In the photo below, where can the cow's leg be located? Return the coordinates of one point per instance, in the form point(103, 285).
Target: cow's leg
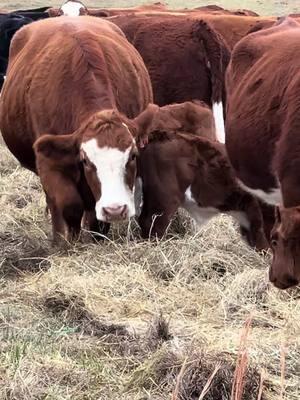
point(58, 223)
point(66, 212)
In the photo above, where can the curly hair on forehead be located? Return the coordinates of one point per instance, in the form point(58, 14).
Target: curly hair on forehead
point(110, 127)
point(105, 120)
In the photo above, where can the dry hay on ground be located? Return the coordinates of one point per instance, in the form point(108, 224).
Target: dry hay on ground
point(127, 319)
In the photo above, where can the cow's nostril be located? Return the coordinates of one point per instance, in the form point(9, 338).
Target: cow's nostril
point(116, 211)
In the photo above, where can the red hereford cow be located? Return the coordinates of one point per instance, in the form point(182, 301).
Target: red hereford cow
point(75, 7)
point(262, 134)
point(185, 60)
point(67, 77)
point(184, 166)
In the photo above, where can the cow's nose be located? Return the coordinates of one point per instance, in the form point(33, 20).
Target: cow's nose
point(115, 212)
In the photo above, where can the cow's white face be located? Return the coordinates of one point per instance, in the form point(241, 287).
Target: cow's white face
point(72, 8)
point(111, 174)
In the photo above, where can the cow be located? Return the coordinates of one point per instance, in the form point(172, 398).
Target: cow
point(161, 8)
point(262, 135)
point(233, 25)
point(183, 165)
point(9, 24)
point(185, 61)
point(71, 8)
point(74, 87)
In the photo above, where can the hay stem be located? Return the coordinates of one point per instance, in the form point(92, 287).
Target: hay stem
point(282, 370)
point(242, 363)
point(179, 379)
point(209, 382)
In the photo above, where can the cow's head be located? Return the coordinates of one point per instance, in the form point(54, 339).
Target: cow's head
point(73, 8)
point(104, 151)
point(285, 243)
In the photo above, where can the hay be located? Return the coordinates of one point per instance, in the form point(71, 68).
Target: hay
point(133, 319)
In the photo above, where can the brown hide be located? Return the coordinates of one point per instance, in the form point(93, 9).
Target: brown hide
point(160, 8)
point(185, 61)
point(67, 78)
point(262, 132)
point(61, 72)
point(174, 160)
point(232, 28)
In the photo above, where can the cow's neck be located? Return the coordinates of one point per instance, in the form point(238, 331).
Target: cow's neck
point(202, 214)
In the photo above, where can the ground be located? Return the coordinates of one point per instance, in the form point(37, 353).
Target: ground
point(133, 320)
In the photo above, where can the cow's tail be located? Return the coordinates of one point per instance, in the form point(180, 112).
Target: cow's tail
point(217, 59)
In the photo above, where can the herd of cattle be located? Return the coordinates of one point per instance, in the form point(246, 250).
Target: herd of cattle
point(137, 112)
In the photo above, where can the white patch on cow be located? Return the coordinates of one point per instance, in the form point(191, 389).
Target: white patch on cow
point(138, 196)
point(200, 214)
point(72, 8)
point(241, 217)
point(273, 197)
point(110, 164)
point(219, 121)
point(203, 214)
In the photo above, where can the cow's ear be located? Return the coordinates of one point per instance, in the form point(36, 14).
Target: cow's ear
point(60, 149)
point(209, 150)
point(57, 154)
point(144, 124)
point(58, 162)
point(214, 163)
point(83, 11)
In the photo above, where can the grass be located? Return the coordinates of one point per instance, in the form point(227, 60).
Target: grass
point(128, 319)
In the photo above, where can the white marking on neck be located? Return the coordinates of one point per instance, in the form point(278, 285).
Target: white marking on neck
point(110, 164)
point(72, 8)
point(219, 121)
point(200, 214)
point(273, 197)
point(203, 214)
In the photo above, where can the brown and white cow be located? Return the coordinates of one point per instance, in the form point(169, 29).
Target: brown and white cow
point(262, 134)
point(71, 86)
point(183, 165)
point(70, 8)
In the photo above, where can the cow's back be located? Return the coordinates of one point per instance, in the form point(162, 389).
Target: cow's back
point(176, 60)
point(261, 75)
point(62, 70)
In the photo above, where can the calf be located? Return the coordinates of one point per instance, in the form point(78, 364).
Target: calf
point(190, 170)
point(72, 84)
point(262, 135)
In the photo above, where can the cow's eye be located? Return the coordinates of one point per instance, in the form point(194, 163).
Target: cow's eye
point(274, 240)
point(87, 164)
point(132, 157)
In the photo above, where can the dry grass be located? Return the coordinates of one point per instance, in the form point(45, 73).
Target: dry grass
point(127, 319)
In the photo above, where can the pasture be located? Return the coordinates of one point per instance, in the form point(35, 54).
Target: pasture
point(185, 318)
